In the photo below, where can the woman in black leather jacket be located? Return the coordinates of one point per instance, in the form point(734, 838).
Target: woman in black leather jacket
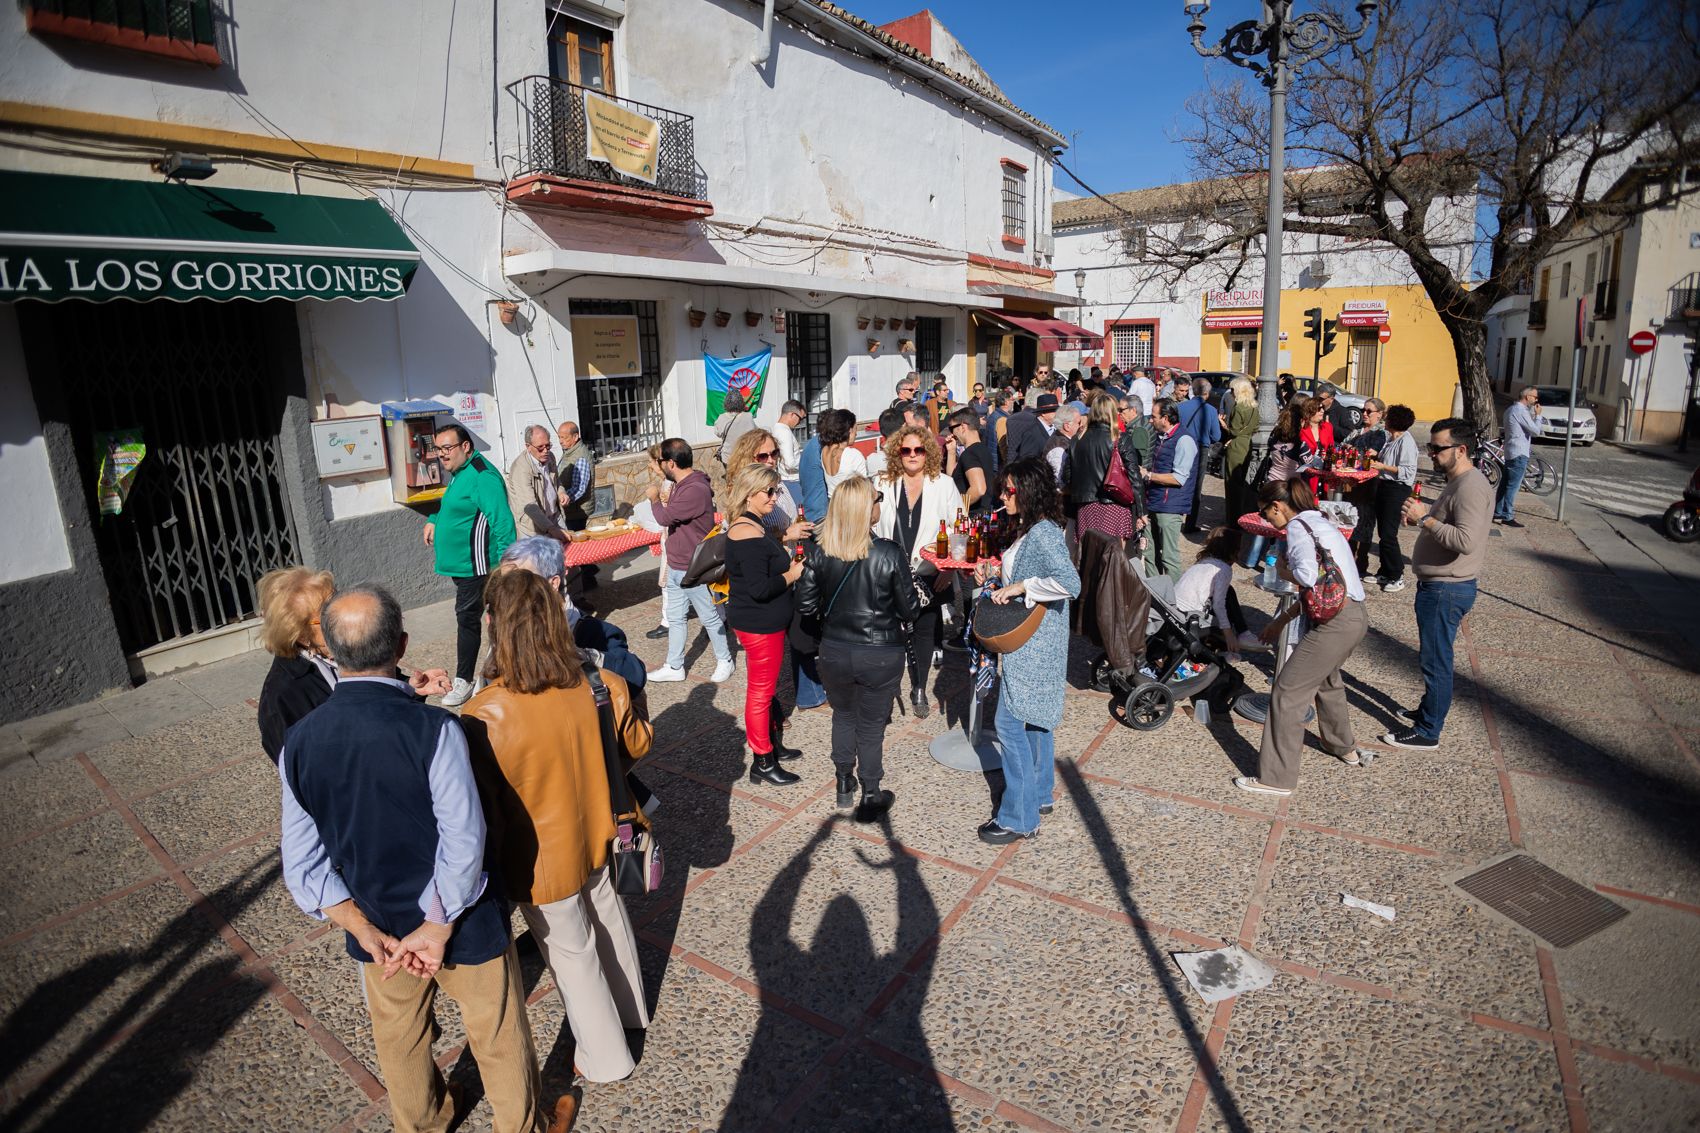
point(1089, 504)
point(858, 588)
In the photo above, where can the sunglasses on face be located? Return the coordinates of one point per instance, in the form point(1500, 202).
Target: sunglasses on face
point(1436, 450)
point(908, 450)
point(764, 492)
point(879, 497)
point(1009, 490)
point(765, 457)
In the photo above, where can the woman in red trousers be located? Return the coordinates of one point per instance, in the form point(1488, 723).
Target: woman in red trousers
point(760, 572)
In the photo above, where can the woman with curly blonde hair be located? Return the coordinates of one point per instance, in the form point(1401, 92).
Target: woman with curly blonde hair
point(919, 498)
point(761, 448)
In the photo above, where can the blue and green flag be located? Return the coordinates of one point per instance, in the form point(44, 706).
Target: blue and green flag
point(747, 375)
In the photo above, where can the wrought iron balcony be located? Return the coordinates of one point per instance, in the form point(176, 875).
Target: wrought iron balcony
point(552, 146)
point(1685, 298)
point(1605, 299)
point(1537, 314)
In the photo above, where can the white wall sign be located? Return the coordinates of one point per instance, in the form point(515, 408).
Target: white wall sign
point(1240, 297)
point(855, 375)
point(1364, 305)
point(343, 446)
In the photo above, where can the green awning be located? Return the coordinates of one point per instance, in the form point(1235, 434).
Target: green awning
point(99, 238)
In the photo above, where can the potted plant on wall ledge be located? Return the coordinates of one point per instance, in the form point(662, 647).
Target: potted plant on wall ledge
point(695, 316)
point(879, 323)
point(873, 346)
point(721, 318)
point(862, 322)
point(752, 318)
point(906, 346)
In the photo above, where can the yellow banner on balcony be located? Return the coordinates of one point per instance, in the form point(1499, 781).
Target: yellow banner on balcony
point(620, 138)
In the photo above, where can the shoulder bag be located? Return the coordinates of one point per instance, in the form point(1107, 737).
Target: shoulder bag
point(634, 856)
point(708, 560)
point(1118, 485)
point(1327, 596)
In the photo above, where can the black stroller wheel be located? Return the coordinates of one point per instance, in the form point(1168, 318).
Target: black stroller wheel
point(1101, 675)
point(1147, 707)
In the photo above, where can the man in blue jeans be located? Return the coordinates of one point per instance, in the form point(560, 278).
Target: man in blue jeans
point(689, 516)
point(1521, 428)
point(1450, 549)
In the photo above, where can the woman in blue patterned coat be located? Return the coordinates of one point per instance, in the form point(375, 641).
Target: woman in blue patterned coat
point(1036, 570)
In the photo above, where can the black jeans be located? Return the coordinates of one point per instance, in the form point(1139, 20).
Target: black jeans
point(926, 639)
point(1390, 497)
point(469, 615)
point(860, 681)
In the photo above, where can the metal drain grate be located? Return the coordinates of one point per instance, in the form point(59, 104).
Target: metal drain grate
point(1553, 907)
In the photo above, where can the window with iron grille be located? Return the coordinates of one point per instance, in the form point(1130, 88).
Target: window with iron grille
point(623, 414)
point(183, 29)
point(1014, 203)
point(808, 363)
point(1131, 345)
point(929, 349)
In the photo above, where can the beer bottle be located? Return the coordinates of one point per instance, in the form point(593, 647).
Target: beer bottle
point(961, 521)
point(941, 545)
point(972, 554)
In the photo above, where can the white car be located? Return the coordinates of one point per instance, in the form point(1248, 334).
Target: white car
point(1556, 419)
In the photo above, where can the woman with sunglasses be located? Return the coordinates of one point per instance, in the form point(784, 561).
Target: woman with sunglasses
point(1317, 434)
point(1369, 438)
point(1311, 672)
point(760, 572)
point(1036, 569)
point(859, 589)
point(760, 449)
point(919, 497)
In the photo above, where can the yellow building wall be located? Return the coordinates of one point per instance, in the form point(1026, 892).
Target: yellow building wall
point(1415, 368)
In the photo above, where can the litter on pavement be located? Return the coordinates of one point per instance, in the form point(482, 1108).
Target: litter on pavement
point(1385, 912)
point(1223, 973)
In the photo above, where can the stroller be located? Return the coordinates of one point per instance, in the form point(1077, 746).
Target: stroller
point(1154, 655)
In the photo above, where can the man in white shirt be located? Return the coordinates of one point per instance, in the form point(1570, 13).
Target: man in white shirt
point(791, 414)
point(1143, 388)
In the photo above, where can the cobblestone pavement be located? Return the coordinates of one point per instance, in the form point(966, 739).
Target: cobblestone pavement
point(812, 974)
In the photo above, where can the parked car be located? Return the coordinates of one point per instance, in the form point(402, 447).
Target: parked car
point(1556, 420)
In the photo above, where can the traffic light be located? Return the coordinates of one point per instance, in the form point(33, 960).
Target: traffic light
point(1313, 323)
point(1328, 329)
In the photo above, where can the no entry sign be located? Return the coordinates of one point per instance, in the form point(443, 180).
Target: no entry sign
point(1642, 341)
point(1385, 334)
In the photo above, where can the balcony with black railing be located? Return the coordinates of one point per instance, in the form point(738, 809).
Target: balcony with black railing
point(1685, 298)
point(1537, 314)
point(1605, 299)
point(555, 169)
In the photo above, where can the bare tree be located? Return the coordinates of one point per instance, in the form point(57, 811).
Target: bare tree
point(1538, 107)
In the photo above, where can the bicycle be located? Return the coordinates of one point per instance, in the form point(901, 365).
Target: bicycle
point(1539, 477)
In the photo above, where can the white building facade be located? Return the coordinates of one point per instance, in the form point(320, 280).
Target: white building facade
point(1636, 276)
point(822, 187)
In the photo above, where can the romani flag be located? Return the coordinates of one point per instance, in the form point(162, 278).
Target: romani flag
point(747, 375)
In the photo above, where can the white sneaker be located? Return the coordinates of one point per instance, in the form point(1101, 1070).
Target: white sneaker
point(1393, 587)
point(722, 672)
point(666, 673)
point(459, 694)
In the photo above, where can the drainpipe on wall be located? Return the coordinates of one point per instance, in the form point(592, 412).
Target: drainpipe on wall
point(764, 47)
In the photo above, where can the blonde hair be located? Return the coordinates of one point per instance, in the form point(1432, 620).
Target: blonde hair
point(894, 462)
point(743, 452)
point(847, 532)
point(1102, 410)
point(290, 598)
point(1243, 390)
point(745, 484)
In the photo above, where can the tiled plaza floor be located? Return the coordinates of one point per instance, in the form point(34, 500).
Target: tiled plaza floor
point(812, 974)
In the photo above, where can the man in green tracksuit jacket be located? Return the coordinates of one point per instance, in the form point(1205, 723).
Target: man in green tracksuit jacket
point(472, 529)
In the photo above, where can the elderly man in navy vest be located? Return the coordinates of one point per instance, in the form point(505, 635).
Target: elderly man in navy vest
point(384, 835)
point(1168, 489)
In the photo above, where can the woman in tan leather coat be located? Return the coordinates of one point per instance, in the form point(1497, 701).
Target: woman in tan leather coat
point(536, 748)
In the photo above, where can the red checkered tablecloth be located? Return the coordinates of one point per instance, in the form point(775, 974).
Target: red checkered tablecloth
point(1351, 475)
point(601, 550)
point(1253, 523)
point(955, 564)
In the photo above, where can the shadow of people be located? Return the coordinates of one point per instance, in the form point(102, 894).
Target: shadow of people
point(151, 1066)
point(1121, 877)
point(841, 962)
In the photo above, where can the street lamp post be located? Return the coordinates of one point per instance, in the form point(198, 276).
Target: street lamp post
point(1269, 48)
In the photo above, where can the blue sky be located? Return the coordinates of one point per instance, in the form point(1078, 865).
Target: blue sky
point(1117, 71)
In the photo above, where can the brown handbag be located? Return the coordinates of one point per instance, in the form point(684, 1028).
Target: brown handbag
point(1005, 627)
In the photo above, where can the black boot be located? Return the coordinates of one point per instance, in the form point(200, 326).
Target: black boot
point(776, 734)
point(766, 769)
point(846, 787)
point(874, 804)
point(918, 700)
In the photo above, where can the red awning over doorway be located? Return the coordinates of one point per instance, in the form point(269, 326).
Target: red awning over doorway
point(1053, 334)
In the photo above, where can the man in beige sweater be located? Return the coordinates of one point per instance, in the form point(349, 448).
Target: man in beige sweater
point(1451, 546)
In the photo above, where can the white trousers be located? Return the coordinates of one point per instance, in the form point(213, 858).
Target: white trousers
point(588, 943)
